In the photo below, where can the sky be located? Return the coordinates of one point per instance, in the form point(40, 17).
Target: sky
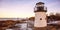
point(25, 8)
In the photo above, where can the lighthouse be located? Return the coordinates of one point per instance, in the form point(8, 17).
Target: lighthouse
point(40, 16)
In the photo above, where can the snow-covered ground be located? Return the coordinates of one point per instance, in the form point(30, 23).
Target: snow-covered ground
point(54, 22)
point(24, 26)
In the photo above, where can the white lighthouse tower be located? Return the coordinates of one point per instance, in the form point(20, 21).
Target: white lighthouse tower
point(40, 16)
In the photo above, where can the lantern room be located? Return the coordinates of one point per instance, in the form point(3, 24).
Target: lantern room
point(40, 7)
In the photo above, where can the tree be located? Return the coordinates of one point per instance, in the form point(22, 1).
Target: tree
point(32, 18)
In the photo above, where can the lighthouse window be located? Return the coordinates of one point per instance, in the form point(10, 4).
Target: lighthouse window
point(39, 8)
point(40, 18)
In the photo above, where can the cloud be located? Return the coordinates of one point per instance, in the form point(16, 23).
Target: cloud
point(18, 10)
point(23, 8)
point(53, 7)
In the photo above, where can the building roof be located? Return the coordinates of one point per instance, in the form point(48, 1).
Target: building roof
point(39, 3)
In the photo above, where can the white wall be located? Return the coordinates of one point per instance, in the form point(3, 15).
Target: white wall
point(38, 22)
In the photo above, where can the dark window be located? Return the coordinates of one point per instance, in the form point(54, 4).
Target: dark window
point(40, 8)
point(40, 18)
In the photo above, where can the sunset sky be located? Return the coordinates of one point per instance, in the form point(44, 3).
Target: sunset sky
point(25, 8)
